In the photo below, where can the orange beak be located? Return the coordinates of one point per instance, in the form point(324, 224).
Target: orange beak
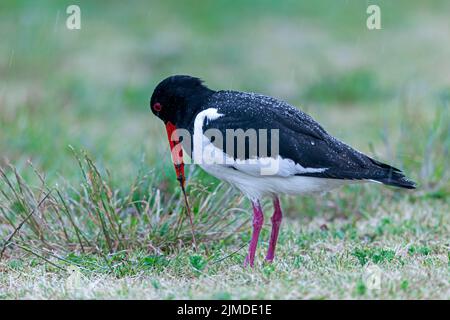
point(177, 152)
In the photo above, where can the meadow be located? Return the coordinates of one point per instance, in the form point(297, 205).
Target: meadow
point(89, 202)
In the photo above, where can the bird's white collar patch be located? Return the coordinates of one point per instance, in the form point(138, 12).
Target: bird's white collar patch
point(199, 139)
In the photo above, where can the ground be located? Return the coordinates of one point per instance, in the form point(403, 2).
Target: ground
point(89, 206)
point(312, 263)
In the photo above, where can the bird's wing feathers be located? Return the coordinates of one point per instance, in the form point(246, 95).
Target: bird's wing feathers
point(304, 146)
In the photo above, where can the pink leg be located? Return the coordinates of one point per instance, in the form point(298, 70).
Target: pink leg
point(258, 220)
point(276, 222)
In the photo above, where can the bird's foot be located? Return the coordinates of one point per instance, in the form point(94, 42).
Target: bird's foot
point(271, 252)
point(249, 262)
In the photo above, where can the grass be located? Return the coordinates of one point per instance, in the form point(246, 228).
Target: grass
point(312, 263)
point(89, 204)
point(97, 218)
point(350, 87)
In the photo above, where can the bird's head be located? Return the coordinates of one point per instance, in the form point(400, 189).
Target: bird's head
point(177, 98)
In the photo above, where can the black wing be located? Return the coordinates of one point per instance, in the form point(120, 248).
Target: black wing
point(301, 139)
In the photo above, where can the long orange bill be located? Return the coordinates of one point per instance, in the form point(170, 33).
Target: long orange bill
point(177, 158)
point(176, 151)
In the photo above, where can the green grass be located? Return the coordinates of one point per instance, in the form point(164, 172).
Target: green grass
point(319, 266)
point(77, 137)
point(349, 87)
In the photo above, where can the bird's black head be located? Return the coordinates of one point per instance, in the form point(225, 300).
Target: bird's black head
point(177, 98)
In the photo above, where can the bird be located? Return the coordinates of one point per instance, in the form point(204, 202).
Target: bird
point(293, 153)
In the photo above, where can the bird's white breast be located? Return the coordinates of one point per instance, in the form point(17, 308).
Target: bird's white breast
point(257, 187)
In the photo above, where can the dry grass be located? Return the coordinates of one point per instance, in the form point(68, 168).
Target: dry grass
point(96, 218)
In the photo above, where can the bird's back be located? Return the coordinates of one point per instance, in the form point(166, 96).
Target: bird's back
point(301, 138)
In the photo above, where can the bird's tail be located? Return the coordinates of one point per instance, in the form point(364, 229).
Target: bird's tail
point(393, 176)
point(398, 179)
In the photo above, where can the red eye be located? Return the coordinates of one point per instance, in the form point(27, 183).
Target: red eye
point(157, 106)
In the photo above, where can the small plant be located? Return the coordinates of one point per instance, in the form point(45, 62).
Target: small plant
point(421, 250)
point(197, 262)
point(376, 255)
point(361, 288)
point(404, 285)
point(155, 261)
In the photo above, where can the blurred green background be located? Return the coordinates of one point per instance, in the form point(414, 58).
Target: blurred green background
point(385, 92)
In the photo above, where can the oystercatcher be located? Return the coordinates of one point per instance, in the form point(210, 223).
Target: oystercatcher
point(293, 154)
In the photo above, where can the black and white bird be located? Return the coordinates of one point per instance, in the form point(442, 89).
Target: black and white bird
point(304, 159)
